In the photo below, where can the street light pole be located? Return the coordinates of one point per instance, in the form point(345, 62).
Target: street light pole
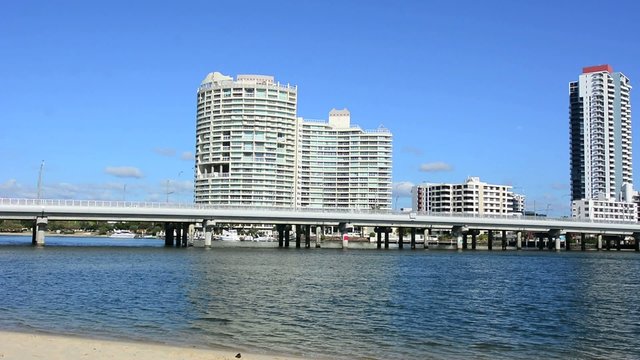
point(40, 179)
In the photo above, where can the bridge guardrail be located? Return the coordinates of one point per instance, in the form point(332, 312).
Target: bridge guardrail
point(164, 205)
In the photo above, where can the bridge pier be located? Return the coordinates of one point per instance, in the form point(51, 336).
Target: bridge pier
point(519, 240)
point(427, 236)
point(608, 242)
point(400, 238)
point(413, 238)
point(168, 234)
point(287, 234)
point(185, 234)
point(557, 243)
point(464, 241)
point(319, 230)
point(342, 228)
point(599, 242)
point(490, 240)
point(636, 238)
point(207, 226)
point(504, 240)
point(39, 230)
point(568, 237)
point(386, 237)
point(178, 228)
point(474, 239)
point(378, 231)
point(619, 242)
point(298, 235)
point(280, 230)
point(583, 244)
point(307, 236)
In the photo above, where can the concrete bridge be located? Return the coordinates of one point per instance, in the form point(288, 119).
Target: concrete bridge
point(461, 225)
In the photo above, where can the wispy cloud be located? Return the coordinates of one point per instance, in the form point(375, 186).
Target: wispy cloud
point(402, 189)
point(435, 166)
point(187, 156)
point(168, 152)
point(124, 172)
point(560, 186)
point(412, 150)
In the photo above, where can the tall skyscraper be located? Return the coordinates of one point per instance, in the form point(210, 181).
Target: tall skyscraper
point(252, 150)
point(600, 133)
point(245, 141)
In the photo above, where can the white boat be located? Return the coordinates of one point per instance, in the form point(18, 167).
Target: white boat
point(230, 235)
point(122, 234)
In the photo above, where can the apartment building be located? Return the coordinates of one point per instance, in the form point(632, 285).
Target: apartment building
point(253, 150)
point(471, 197)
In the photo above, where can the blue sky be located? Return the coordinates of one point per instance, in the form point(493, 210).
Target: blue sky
point(104, 91)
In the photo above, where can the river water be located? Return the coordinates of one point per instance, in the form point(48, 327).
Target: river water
point(362, 304)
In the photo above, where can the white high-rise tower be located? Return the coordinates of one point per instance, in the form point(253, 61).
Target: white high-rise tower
point(600, 134)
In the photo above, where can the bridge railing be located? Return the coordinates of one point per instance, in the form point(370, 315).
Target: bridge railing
point(165, 205)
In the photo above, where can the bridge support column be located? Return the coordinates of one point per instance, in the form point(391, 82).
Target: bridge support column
point(474, 239)
point(608, 242)
point(39, 230)
point(490, 240)
point(427, 236)
point(619, 242)
point(540, 238)
point(519, 240)
point(342, 228)
point(319, 230)
point(307, 236)
point(568, 238)
point(298, 234)
point(168, 234)
point(583, 243)
point(207, 226)
point(378, 231)
point(178, 238)
point(636, 238)
point(599, 243)
point(400, 238)
point(386, 237)
point(185, 234)
point(464, 241)
point(280, 230)
point(504, 240)
point(287, 234)
point(550, 242)
point(557, 243)
point(413, 238)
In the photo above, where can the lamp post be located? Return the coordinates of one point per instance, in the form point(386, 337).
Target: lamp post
point(40, 180)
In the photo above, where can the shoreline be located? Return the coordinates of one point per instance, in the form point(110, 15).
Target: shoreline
point(39, 345)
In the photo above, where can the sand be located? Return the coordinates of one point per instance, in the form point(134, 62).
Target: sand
point(16, 345)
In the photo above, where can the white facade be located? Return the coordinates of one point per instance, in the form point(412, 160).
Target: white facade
point(343, 166)
point(253, 151)
point(608, 210)
point(471, 197)
point(600, 133)
point(245, 141)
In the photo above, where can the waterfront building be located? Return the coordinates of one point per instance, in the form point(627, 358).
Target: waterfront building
point(245, 141)
point(607, 209)
point(471, 197)
point(343, 166)
point(253, 150)
point(600, 133)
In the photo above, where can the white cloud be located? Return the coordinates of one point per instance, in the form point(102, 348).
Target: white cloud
point(435, 166)
point(187, 155)
point(402, 189)
point(412, 150)
point(124, 172)
point(168, 152)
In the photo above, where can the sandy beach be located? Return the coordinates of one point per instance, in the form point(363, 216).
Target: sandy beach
point(15, 345)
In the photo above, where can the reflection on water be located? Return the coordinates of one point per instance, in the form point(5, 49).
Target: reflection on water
point(331, 303)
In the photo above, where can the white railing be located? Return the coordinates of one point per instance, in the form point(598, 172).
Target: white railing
point(306, 210)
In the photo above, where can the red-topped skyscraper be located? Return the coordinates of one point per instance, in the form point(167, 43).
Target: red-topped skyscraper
point(600, 135)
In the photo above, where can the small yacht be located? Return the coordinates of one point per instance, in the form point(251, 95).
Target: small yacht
point(230, 235)
point(122, 234)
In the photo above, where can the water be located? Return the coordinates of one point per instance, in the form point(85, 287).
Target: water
point(363, 304)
